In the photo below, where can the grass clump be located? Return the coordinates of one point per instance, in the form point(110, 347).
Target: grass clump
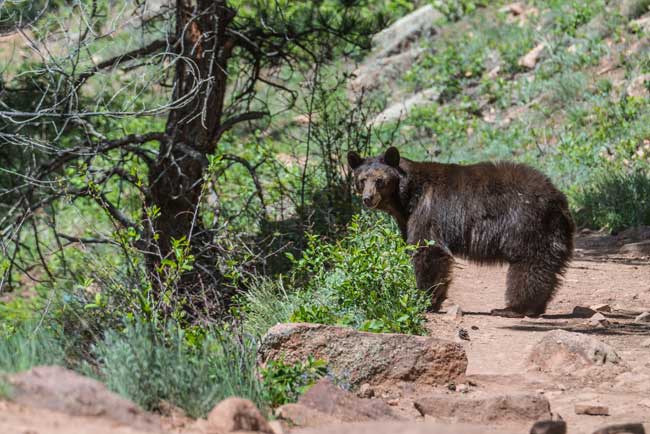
point(26, 345)
point(614, 200)
point(150, 364)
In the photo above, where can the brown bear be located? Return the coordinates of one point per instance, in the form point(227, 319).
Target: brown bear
point(489, 213)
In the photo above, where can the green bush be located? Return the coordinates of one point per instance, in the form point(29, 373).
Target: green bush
point(364, 280)
point(614, 200)
point(284, 383)
point(150, 364)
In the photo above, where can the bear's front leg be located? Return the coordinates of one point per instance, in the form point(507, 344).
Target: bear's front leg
point(432, 266)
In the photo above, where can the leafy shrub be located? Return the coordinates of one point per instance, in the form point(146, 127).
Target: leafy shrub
point(364, 280)
point(284, 383)
point(615, 200)
point(150, 364)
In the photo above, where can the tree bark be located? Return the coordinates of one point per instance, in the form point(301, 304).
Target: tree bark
point(176, 178)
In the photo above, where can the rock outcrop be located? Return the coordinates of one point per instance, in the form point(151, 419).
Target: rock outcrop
point(325, 403)
point(62, 390)
point(489, 409)
point(359, 357)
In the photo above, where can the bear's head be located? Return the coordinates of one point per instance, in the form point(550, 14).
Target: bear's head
point(377, 178)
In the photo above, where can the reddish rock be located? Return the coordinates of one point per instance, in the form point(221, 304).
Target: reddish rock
point(491, 409)
point(563, 352)
point(372, 358)
point(237, 414)
point(592, 409)
point(62, 390)
point(298, 415)
point(325, 403)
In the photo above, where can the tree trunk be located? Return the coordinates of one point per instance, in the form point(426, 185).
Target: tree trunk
point(193, 129)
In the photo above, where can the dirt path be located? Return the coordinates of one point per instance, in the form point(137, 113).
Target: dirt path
point(498, 347)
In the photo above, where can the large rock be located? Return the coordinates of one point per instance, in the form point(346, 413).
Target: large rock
point(490, 409)
point(403, 32)
point(372, 358)
point(400, 110)
point(563, 352)
point(61, 390)
point(394, 52)
point(383, 72)
point(642, 248)
point(326, 403)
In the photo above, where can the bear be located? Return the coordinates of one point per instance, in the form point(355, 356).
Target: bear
point(488, 213)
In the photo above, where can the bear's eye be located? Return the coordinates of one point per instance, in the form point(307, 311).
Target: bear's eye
point(379, 182)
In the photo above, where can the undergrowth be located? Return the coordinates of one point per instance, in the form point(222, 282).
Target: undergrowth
point(151, 364)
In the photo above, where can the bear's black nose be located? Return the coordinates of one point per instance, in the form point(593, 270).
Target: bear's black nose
point(367, 200)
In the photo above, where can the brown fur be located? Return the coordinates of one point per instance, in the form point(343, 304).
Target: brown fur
point(487, 212)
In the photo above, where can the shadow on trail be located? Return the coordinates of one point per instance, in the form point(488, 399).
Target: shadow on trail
point(611, 330)
point(568, 322)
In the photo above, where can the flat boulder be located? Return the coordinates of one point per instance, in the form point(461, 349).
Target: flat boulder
point(359, 357)
point(61, 390)
point(326, 403)
point(488, 409)
point(567, 353)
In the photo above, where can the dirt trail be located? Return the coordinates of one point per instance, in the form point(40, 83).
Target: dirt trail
point(498, 347)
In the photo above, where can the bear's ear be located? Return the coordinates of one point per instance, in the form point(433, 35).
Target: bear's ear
point(391, 156)
point(354, 160)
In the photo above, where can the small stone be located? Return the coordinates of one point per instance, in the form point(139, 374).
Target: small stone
point(583, 312)
point(598, 319)
point(643, 318)
point(451, 386)
point(366, 391)
point(463, 334)
point(592, 409)
point(532, 57)
point(601, 307)
point(237, 414)
point(455, 312)
point(276, 426)
point(474, 327)
point(462, 388)
point(549, 427)
point(393, 402)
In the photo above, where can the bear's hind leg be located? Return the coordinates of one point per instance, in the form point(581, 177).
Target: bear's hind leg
point(530, 287)
point(432, 266)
